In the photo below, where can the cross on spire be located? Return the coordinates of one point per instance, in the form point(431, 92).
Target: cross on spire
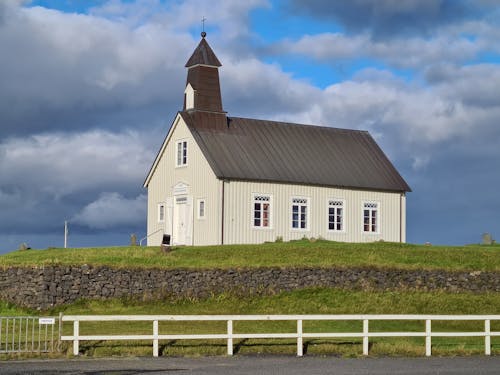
point(203, 33)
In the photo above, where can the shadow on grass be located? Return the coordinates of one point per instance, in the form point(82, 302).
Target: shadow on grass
point(345, 344)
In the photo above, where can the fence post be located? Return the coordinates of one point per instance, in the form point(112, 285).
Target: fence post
point(229, 337)
point(428, 343)
point(60, 332)
point(76, 333)
point(300, 343)
point(155, 338)
point(365, 337)
point(487, 337)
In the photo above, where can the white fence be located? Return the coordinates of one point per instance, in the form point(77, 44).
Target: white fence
point(299, 335)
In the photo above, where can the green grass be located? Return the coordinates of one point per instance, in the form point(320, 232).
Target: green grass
point(310, 301)
point(313, 301)
point(287, 254)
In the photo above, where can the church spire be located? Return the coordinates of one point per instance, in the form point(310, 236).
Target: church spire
point(203, 55)
point(202, 85)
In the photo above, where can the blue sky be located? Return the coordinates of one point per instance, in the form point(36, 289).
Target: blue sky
point(89, 89)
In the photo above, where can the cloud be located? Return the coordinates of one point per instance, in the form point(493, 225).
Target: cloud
point(475, 85)
point(389, 18)
point(49, 178)
point(230, 16)
point(253, 88)
point(86, 100)
point(113, 210)
point(79, 71)
point(412, 52)
point(63, 164)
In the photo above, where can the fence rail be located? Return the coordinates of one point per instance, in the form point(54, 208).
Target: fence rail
point(28, 334)
point(299, 335)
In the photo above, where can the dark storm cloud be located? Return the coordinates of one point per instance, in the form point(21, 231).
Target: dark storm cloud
point(388, 18)
point(73, 72)
point(47, 179)
point(461, 181)
point(86, 101)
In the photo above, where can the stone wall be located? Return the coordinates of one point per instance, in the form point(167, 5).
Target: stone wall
point(44, 287)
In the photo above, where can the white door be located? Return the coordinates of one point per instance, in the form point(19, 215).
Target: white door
point(182, 221)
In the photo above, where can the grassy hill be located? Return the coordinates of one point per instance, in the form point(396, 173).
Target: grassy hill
point(302, 253)
point(308, 301)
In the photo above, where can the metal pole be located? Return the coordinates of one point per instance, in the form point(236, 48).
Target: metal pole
point(13, 334)
point(32, 334)
point(27, 329)
point(65, 234)
point(20, 334)
point(60, 332)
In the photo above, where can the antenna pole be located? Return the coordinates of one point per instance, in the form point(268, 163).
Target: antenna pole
point(65, 234)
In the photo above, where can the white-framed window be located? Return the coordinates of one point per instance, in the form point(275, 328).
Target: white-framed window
point(336, 215)
point(181, 200)
point(371, 217)
point(262, 210)
point(201, 209)
point(182, 153)
point(161, 213)
point(300, 213)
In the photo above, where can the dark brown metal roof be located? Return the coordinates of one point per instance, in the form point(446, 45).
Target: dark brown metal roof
point(260, 150)
point(204, 55)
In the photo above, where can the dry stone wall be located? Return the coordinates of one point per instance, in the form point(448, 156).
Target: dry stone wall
point(45, 287)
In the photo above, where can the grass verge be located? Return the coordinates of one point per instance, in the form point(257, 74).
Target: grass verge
point(302, 253)
point(311, 301)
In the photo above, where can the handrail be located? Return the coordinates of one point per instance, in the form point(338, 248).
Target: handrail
point(229, 335)
point(149, 235)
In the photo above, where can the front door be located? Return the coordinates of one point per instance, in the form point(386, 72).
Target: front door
point(182, 221)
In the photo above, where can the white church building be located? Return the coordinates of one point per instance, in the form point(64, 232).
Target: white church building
point(219, 179)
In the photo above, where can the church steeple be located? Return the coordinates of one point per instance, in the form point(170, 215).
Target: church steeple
point(202, 91)
point(203, 55)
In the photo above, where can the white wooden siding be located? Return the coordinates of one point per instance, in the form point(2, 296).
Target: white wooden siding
point(201, 183)
point(238, 226)
point(238, 204)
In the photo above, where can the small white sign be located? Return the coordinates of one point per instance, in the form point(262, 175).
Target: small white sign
point(46, 321)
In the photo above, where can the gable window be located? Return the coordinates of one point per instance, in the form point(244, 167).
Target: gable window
point(300, 208)
point(181, 154)
point(336, 215)
point(261, 211)
point(370, 217)
point(201, 208)
point(161, 213)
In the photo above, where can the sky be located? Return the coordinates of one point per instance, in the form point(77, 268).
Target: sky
point(88, 90)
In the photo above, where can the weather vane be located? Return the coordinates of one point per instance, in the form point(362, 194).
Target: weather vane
point(203, 33)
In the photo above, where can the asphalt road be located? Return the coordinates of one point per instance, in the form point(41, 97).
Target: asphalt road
point(240, 365)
